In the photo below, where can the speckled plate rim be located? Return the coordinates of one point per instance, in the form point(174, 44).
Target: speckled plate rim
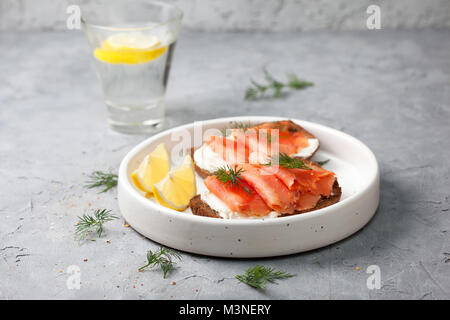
point(126, 182)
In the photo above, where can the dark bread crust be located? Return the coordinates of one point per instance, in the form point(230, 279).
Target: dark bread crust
point(201, 208)
point(201, 172)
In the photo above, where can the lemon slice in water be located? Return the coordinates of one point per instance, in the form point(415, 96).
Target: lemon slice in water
point(178, 187)
point(152, 169)
point(130, 48)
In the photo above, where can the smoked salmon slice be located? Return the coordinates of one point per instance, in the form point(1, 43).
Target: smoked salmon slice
point(232, 150)
point(263, 143)
point(256, 145)
point(274, 193)
point(315, 181)
point(290, 142)
point(287, 177)
point(307, 201)
point(241, 198)
point(310, 184)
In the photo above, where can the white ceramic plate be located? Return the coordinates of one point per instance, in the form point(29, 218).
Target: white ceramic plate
point(352, 161)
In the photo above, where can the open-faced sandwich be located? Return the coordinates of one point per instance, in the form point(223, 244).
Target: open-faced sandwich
point(249, 171)
point(262, 171)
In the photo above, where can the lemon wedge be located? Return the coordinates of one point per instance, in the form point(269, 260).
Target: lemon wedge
point(152, 169)
point(178, 187)
point(130, 48)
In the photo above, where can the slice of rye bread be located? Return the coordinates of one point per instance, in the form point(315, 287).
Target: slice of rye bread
point(201, 208)
point(291, 126)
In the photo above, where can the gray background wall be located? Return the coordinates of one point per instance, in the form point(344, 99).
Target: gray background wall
point(236, 15)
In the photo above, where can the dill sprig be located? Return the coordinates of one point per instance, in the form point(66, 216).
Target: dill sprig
point(242, 126)
point(162, 258)
point(105, 180)
point(287, 162)
point(258, 90)
point(87, 225)
point(230, 177)
point(321, 163)
point(298, 84)
point(258, 276)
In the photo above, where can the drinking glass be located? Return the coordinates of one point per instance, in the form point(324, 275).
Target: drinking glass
point(133, 43)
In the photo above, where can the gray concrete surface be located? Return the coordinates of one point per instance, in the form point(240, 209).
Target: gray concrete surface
point(233, 15)
point(389, 89)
